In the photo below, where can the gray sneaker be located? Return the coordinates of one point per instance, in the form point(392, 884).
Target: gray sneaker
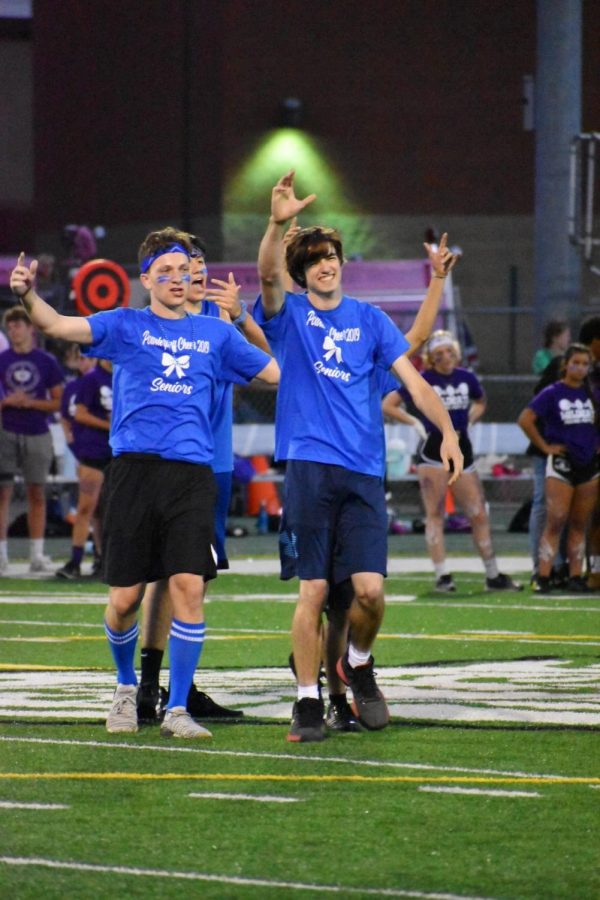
point(178, 723)
point(122, 718)
point(40, 564)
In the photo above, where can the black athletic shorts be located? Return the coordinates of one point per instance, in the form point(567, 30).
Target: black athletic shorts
point(428, 451)
point(563, 468)
point(158, 520)
point(100, 464)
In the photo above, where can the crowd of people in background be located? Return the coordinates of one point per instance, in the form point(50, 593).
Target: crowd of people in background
point(149, 430)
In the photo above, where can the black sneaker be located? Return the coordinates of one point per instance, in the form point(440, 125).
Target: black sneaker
point(96, 567)
point(201, 706)
point(577, 584)
point(340, 716)
point(151, 704)
point(307, 720)
point(70, 571)
point(542, 584)
point(369, 703)
point(445, 585)
point(502, 583)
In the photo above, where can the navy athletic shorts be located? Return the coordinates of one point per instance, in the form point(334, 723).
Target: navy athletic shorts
point(335, 523)
point(158, 520)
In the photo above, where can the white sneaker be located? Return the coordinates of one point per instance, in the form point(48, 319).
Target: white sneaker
point(122, 718)
point(3, 566)
point(178, 723)
point(40, 564)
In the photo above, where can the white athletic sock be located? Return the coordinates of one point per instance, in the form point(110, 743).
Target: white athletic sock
point(308, 690)
point(440, 569)
point(491, 567)
point(37, 548)
point(358, 657)
point(3, 549)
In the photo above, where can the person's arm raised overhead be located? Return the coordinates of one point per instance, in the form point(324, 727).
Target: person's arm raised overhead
point(442, 261)
point(43, 316)
point(284, 206)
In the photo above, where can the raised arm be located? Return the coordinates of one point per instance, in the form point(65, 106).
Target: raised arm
point(43, 316)
point(430, 404)
point(284, 206)
point(442, 261)
point(226, 294)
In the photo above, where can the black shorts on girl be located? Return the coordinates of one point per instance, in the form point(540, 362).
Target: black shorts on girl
point(428, 451)
point(338, 521)
point(563, 468)
point(158, 520)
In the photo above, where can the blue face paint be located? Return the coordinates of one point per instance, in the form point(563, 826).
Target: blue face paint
point(162, 279)
point(186, 278)
point(171, 248)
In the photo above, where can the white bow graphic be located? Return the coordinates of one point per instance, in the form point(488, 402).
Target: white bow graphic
point(175, 364)
point(330, 347)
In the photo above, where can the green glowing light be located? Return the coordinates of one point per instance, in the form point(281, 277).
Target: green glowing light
point(249, 189)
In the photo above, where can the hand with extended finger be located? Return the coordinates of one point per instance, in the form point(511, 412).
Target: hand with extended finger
point(22, 277)
point(442, 259)
point(226, 295)
point(284, 203)
point(450, 452)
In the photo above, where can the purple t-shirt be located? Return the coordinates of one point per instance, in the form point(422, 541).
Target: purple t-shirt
point(67, 406)
point(456, 391)
point(94, 391)
point(34, 372)
point(568, 417)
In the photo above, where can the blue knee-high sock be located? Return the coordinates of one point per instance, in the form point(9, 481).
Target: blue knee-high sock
point(185, 647)
point(122, 646)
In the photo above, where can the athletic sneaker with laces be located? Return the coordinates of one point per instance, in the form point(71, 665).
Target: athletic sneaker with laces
point(340, 716)
point(70, 571)
point(307, 720)
point(201, 706)
point(40, 564)
point(542, 584)
point(178, 723)
point(502, 582)
point(122, 718)
point(369, 703)
point(151, 703)
point(445, 585)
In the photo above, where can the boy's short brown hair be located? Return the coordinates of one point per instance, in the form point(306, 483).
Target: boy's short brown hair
point(16, 314)
point(308, 247)
point(158, 240)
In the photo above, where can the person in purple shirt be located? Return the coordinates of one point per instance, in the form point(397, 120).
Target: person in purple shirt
point(91, 417)
point(461, 393)
point(31, 386)
point(568, 411)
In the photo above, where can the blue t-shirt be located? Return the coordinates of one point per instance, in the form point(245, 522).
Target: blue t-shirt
point(456, 391)
point(35, 373)
point(164, 375)
point(94, 391)
point(328, 407)
point(568, 417)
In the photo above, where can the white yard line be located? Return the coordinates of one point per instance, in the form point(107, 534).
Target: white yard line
point(9, 804)
point(259, 798)
point(225, 879)
point(430, 789)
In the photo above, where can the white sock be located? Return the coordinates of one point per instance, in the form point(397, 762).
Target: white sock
point(358, 657)
point(491, 567)
point(37, 547)
point(3, 549)
point(308, 690)
point(440, 569)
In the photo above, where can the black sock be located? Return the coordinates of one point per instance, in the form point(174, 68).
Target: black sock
point(337, 698)
point(151, 660)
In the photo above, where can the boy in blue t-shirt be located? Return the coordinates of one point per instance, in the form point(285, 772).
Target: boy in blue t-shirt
point(329, 428)
point(160, 489)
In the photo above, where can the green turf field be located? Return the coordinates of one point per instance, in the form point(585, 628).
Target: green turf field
point(486, 783)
